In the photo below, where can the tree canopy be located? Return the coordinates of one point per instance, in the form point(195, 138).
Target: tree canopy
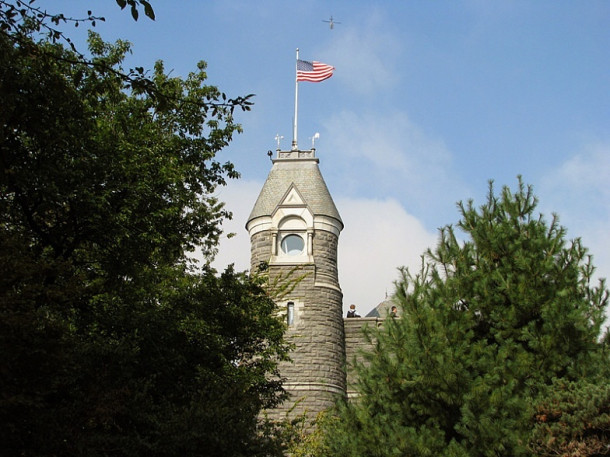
point(573, 420)
point(493, 319)
point(20, 20)
point(111, 342)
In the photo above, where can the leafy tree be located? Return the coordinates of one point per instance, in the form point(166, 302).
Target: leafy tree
point(20, 19)
point(487, 324)
point(306, 437)
point(110, 342)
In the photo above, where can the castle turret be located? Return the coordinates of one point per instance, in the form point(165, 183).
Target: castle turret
point(295, 223)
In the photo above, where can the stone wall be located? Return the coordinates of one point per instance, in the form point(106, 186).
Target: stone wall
point(326, 344)
point(355, 344)
point(325, 252)
point(316, 374)
point(260, 249)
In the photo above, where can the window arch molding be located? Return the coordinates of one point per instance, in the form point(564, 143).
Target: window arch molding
point(292, 240)
point(292, 223)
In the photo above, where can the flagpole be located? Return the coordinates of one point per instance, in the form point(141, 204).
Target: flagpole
point(296, 104)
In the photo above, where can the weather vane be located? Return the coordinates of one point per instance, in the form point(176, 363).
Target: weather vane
point(278, 138)
point(313, 140)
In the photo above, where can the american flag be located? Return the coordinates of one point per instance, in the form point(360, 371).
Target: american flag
point(313, 71)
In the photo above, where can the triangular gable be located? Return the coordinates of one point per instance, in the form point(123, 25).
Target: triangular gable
point(291, 201)
point(292, 197)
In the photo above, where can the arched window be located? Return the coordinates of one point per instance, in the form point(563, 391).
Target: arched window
point(292, 239)
point(292, 244)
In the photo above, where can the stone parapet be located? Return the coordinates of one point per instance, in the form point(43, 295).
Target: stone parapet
point(355, 343)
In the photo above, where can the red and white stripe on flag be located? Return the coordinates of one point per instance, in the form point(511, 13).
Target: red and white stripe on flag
point(313, 72)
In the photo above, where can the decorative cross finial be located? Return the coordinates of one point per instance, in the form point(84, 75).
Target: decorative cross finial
point(278, 138)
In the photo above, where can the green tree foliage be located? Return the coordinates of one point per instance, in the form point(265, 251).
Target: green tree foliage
point(487, 324)
point(573, 420)
point(21, 19)
point(110, 343)
point(306, 438)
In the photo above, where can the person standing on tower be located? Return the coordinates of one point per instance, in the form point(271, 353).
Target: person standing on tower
point(352, 311)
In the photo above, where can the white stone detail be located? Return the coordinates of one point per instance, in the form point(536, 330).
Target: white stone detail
point(309, 386)
point(328, 285)
point(292, 198)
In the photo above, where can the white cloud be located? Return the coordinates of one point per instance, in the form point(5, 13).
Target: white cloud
point(579, 192)
point(239, 197)
point(379, 237)
point(387, 156)
point(582, 181)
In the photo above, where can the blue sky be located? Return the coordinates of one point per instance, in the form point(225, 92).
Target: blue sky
point(429, 101)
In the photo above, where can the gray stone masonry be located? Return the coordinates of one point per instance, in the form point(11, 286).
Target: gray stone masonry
point(295, 197)
point(260, 249)
point(326, 263)
point(355, 344)
point(316, 375)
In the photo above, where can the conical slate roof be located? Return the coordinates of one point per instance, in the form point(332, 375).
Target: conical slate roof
point(305, 175)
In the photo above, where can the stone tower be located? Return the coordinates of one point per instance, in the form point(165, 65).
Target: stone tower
point(295, 223)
